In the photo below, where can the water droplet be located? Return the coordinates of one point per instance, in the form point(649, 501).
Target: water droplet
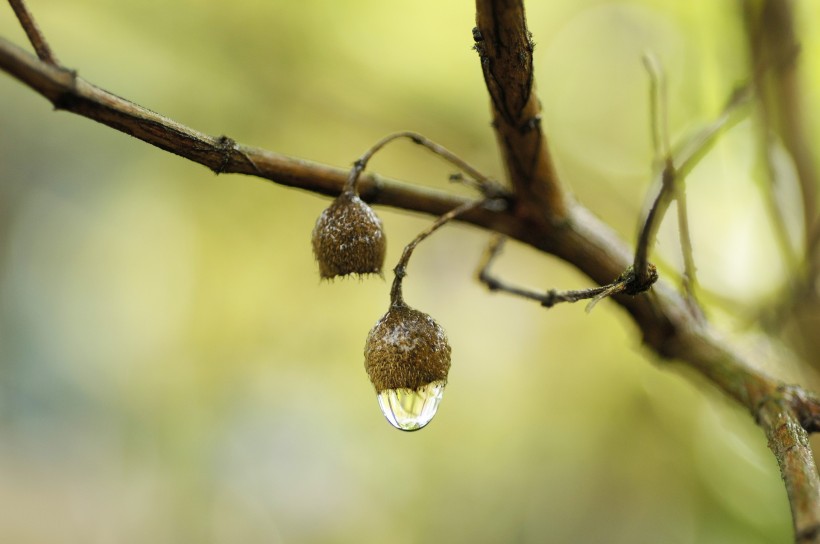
point(408, 409)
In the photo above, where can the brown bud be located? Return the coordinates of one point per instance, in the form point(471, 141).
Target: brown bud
point(348, 238)
point(406, 349)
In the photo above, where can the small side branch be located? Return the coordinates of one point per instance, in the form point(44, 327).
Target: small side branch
point(32, 30)
point(400, 271)
point(675, 171)
point(487, 186)
point(690, 280)
point(659, 116)
point(627, 283)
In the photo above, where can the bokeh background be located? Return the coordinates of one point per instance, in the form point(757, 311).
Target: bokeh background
point(172, 369)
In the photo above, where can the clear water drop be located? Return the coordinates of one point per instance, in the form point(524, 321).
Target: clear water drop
point(408, 409)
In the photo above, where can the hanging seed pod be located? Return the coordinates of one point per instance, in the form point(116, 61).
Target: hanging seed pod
point(348, 238)
point(407, 358)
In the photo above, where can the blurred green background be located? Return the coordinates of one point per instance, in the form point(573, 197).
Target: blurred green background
point(172, 370)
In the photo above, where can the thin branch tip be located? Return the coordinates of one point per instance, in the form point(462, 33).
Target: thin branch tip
point(627, 282)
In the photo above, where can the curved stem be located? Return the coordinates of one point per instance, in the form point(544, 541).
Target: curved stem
point(396, 298)
point(360, 164)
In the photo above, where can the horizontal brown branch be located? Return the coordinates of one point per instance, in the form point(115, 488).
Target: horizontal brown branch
point(579, 238)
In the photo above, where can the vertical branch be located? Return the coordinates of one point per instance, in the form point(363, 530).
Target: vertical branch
point(649, 229)
point(505, 48)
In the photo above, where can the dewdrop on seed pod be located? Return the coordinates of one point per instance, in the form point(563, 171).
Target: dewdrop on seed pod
point(407, 358)
point(348, 238)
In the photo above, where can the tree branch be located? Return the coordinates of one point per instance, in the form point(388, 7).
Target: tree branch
point(659, 120)
point(577, 237)
point(789, 442)
point(505, 48)
point(66, 91)
point(625, 283)
point(677, 168)
point(32, 30)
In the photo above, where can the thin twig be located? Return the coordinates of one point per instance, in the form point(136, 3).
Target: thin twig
point(690, 280)
point(659, 116)
point(488, 187)
point(400, 270)
point(625, 283)
point(678, 168)
point(653, 220)
point(32, 29)
point(694, 149)
point(658, 107)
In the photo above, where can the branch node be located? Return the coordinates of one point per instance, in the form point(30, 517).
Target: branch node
point(635, 284)
point(67, 98)
point(533, 123)
point(226, 148)
point(550, 299)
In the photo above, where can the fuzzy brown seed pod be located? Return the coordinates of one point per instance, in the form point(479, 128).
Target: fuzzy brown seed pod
point(348, 238)
point(406, 349)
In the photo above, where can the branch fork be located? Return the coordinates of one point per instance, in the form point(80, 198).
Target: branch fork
point(786, 413)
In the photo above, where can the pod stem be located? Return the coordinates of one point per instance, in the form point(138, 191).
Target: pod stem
point(481, 182)
point(400, 271)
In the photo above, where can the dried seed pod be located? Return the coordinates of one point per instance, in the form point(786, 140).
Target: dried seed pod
point(348, 238)
point(407, 358)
